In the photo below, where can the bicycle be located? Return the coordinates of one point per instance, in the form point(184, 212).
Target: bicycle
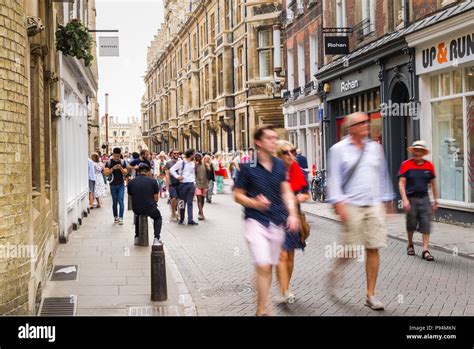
point(319, 186)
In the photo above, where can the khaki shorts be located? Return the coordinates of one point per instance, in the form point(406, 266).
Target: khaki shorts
point(365, 225)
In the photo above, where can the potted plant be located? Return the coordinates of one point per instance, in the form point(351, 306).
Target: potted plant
point(74, 40)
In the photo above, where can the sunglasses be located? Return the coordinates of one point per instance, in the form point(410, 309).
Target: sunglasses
point(365, 122)
point(288, 152)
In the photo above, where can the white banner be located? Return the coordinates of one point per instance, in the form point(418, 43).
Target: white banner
point(109, 46)
point(449, 52)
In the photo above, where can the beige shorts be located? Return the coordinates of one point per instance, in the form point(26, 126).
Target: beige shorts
point(365, 225)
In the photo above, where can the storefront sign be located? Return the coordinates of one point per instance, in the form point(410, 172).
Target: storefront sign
point(445, 53)
point(336, 45)
point(349, 85)
point(109, 46)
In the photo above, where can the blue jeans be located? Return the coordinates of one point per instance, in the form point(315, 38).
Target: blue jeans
point(186, 195)
point(117, 192)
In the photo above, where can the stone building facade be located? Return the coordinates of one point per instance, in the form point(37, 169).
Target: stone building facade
point(213, 75)
point(124, 135)
point(29, 97)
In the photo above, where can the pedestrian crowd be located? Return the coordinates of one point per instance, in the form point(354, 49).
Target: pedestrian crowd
point(271, 183)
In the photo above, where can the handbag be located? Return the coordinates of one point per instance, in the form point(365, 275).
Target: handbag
point(304, 227)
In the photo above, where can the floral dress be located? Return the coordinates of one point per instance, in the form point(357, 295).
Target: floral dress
point(100, 187)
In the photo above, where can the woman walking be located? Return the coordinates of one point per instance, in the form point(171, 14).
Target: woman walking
point(160, 171)
point(219, 174)
point(202, 182)
point(299, 185)
point(100, 186)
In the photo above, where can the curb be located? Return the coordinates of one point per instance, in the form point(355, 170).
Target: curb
point(185, 298)
point(396, 237)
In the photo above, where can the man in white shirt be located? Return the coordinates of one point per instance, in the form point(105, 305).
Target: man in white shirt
point(184, 171)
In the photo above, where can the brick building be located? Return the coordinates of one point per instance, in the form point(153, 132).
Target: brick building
point(303, 57)
point(380, 72)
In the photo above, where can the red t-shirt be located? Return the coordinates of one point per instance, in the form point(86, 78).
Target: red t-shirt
point(418, 176)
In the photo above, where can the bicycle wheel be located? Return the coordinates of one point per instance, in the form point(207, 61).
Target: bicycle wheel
point(314, 191)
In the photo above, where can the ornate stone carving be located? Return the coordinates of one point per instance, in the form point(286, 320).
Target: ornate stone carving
point(37, 50)
point(34, 25)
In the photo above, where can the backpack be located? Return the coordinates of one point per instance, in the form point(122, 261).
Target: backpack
point(110, 177)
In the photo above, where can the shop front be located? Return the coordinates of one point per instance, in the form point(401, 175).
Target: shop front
point(382, 83)
point(445, 66)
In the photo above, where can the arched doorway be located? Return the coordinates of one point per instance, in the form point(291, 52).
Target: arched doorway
point(398, 128)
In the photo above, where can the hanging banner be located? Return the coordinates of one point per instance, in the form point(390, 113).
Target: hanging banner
point(336, 45)
point(109, 46)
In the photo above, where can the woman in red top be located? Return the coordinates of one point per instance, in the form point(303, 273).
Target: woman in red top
point(299, 185)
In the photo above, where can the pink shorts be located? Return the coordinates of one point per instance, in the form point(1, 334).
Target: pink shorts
point(201, 191)
point(264, 242)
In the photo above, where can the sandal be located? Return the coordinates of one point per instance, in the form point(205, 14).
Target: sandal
point(410, 250)
point(427, 256)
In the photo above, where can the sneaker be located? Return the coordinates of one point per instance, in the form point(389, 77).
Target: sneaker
point(181, 223)
point(136, 241)
point(116, 220)
point(193, 223)
point(120, 221)
point(373, 303)
point(201, 217)
point(157, 241)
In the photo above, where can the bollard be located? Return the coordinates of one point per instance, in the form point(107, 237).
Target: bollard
point(141, 223)
point(159, 290)
point(129, 205)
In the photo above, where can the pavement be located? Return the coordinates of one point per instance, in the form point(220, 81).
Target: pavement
point(114, 275)
point(210, 273)
point(446, 237)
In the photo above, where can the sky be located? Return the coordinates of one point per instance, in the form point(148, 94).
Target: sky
point(122, 77)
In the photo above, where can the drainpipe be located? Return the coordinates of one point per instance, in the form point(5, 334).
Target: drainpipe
point(246, 75)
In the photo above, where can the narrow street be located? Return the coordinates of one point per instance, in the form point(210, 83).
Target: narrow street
point(213, 260)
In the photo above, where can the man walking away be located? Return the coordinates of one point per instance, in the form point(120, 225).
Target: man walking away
point(358, 184)
point(172, 183)
point(185, 172)
point(303, 162)
point(115, 169)
point(145, 193)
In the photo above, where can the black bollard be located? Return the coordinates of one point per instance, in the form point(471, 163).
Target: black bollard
point(142, 223)
point(159, 290)
point(129, 205)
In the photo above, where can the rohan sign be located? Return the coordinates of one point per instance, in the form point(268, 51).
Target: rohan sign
point(349, 85)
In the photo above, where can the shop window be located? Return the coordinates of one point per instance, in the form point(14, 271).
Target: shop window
point(445, 84)
point(341, 131)
point(311, 117)
point(457, 81)
point(470, 79)
point(376, 127)
point(448, 148)
point(470, 145)
point(302, 118)
point(434, 82)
